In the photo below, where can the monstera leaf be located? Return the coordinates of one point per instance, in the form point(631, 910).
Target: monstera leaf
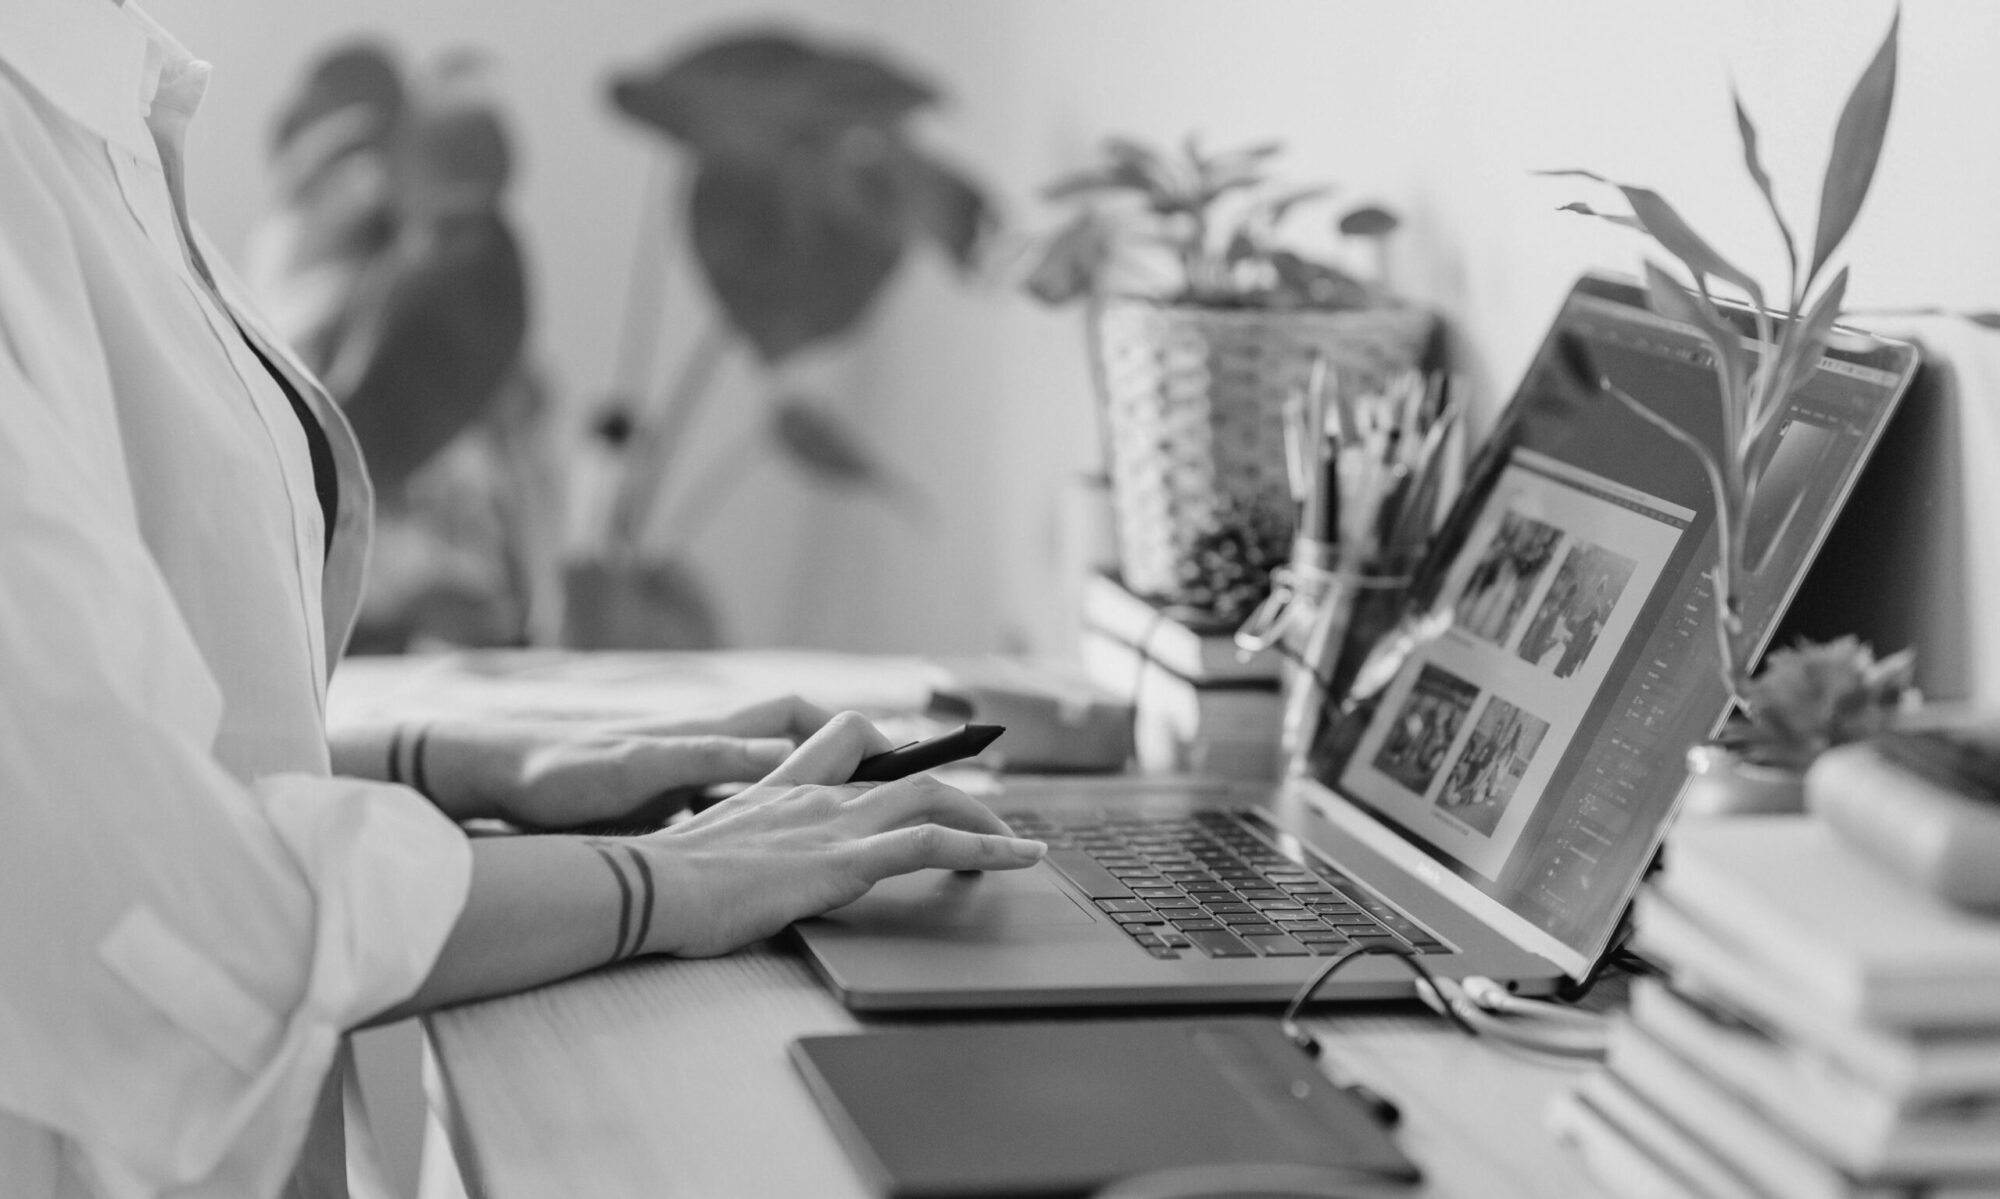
point(752, 95)
point(806, 186)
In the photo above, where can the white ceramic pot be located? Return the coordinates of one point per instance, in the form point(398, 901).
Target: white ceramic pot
point(1721, 783)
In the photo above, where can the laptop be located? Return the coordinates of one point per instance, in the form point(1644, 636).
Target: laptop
point(1493, 783)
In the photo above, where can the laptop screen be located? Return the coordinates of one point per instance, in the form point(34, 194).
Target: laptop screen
point(1556, 655)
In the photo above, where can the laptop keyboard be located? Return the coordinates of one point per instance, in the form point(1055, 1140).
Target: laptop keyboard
point(1209, 883)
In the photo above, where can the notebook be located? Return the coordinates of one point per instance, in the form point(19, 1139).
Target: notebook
point(1066, 1108)
point(1832, 925)
point(1491, 791)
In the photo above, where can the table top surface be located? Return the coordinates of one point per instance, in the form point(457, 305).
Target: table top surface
point(670, 1078)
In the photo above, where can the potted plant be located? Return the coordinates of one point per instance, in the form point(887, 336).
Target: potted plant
point(1204, 313)
point(803, 189)
point(1805, 700)
point(1755, 389)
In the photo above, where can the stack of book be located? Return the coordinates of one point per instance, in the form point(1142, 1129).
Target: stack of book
point(1825, 1029)
point(1198, 706)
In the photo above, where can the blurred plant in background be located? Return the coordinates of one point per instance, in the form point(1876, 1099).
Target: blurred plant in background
point(1198, 227)
point(1208, 296)
point(389, 264)
point(801, 193)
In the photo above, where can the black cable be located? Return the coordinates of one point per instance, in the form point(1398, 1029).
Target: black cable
point(1289, 1022)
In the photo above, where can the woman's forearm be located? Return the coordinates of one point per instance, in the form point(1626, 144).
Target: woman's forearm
point(539, 909)
point(426, 755)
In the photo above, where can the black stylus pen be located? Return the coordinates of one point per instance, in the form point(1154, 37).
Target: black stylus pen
point(929, 754)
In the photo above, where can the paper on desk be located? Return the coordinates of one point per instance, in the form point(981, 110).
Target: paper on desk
point(626, 685)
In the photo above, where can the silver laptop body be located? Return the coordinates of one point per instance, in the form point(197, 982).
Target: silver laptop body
point(1585, 680)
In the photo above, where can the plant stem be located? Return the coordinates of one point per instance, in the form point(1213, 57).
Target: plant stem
point(1728, 614)
point(655, 442)
point(733, 462)
point(645, 290)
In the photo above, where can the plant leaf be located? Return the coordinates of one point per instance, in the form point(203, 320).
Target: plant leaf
point(756, 93)
point(1800, 349)
point(822, 443)
point(791, 261)
point(1271, 212)
point(946, 207)
point(1857, 147)
point(1617, 218)
point(1755, 165)
point(1369, 221)
point(1215, 189)
point(1678, 238)
point(444, 333)
point(1073, 260)
point(360, 74)
point(1247, 157)
point(1240, 247)
point(1672, 299)
point(1093, 180)
point(1661, 222)
point(1150, 172)
point(1303, 283)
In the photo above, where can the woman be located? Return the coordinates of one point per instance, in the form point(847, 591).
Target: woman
point(193, 906)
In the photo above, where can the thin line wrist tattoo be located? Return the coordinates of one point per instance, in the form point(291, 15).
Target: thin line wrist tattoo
point(645, 869)
point(618, 951)
point(419, 772)
point(395, 755)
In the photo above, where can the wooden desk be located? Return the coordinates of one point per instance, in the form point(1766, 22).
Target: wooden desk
point(670, 1078)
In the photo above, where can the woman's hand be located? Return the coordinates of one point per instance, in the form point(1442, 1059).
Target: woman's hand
point(554, 775)
point(804, 841)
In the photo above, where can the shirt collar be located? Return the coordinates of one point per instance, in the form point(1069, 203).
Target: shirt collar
point(107, 67)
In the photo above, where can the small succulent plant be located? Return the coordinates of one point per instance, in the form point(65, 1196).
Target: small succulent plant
point(1814, 696)
point(1228, 570)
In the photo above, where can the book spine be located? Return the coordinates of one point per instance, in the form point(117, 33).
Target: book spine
point(1702, 963)
point(1817, 1101)
point(1944, 842)
point(1625, 1166)
point(1201, 655)
point(1623, 1115)
point(1734, 1130)
point(1180, 728)
point(1715, 899)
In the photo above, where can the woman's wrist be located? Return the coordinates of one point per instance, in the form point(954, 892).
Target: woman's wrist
point(642, 871)
point(435, 758)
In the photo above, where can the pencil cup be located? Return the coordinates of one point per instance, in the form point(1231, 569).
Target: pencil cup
point(1317, 610)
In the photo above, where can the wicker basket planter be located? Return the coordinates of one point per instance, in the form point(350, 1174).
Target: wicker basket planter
point(1194, 400)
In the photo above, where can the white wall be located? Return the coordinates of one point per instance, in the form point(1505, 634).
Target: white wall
point(1440, 107)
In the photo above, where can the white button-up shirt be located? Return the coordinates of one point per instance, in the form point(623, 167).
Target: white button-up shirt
point(191, 910)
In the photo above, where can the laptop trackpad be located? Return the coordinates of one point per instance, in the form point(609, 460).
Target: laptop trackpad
point(943, 900)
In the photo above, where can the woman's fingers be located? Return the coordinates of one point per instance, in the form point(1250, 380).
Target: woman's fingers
point(830, 755)
point(933, 846)
point(786, 716)
point(662, 762)
point(921, 798)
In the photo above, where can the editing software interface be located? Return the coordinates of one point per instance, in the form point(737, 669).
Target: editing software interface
point(1560, 649)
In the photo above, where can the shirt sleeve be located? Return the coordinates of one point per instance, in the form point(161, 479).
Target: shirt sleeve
point(180, 952)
